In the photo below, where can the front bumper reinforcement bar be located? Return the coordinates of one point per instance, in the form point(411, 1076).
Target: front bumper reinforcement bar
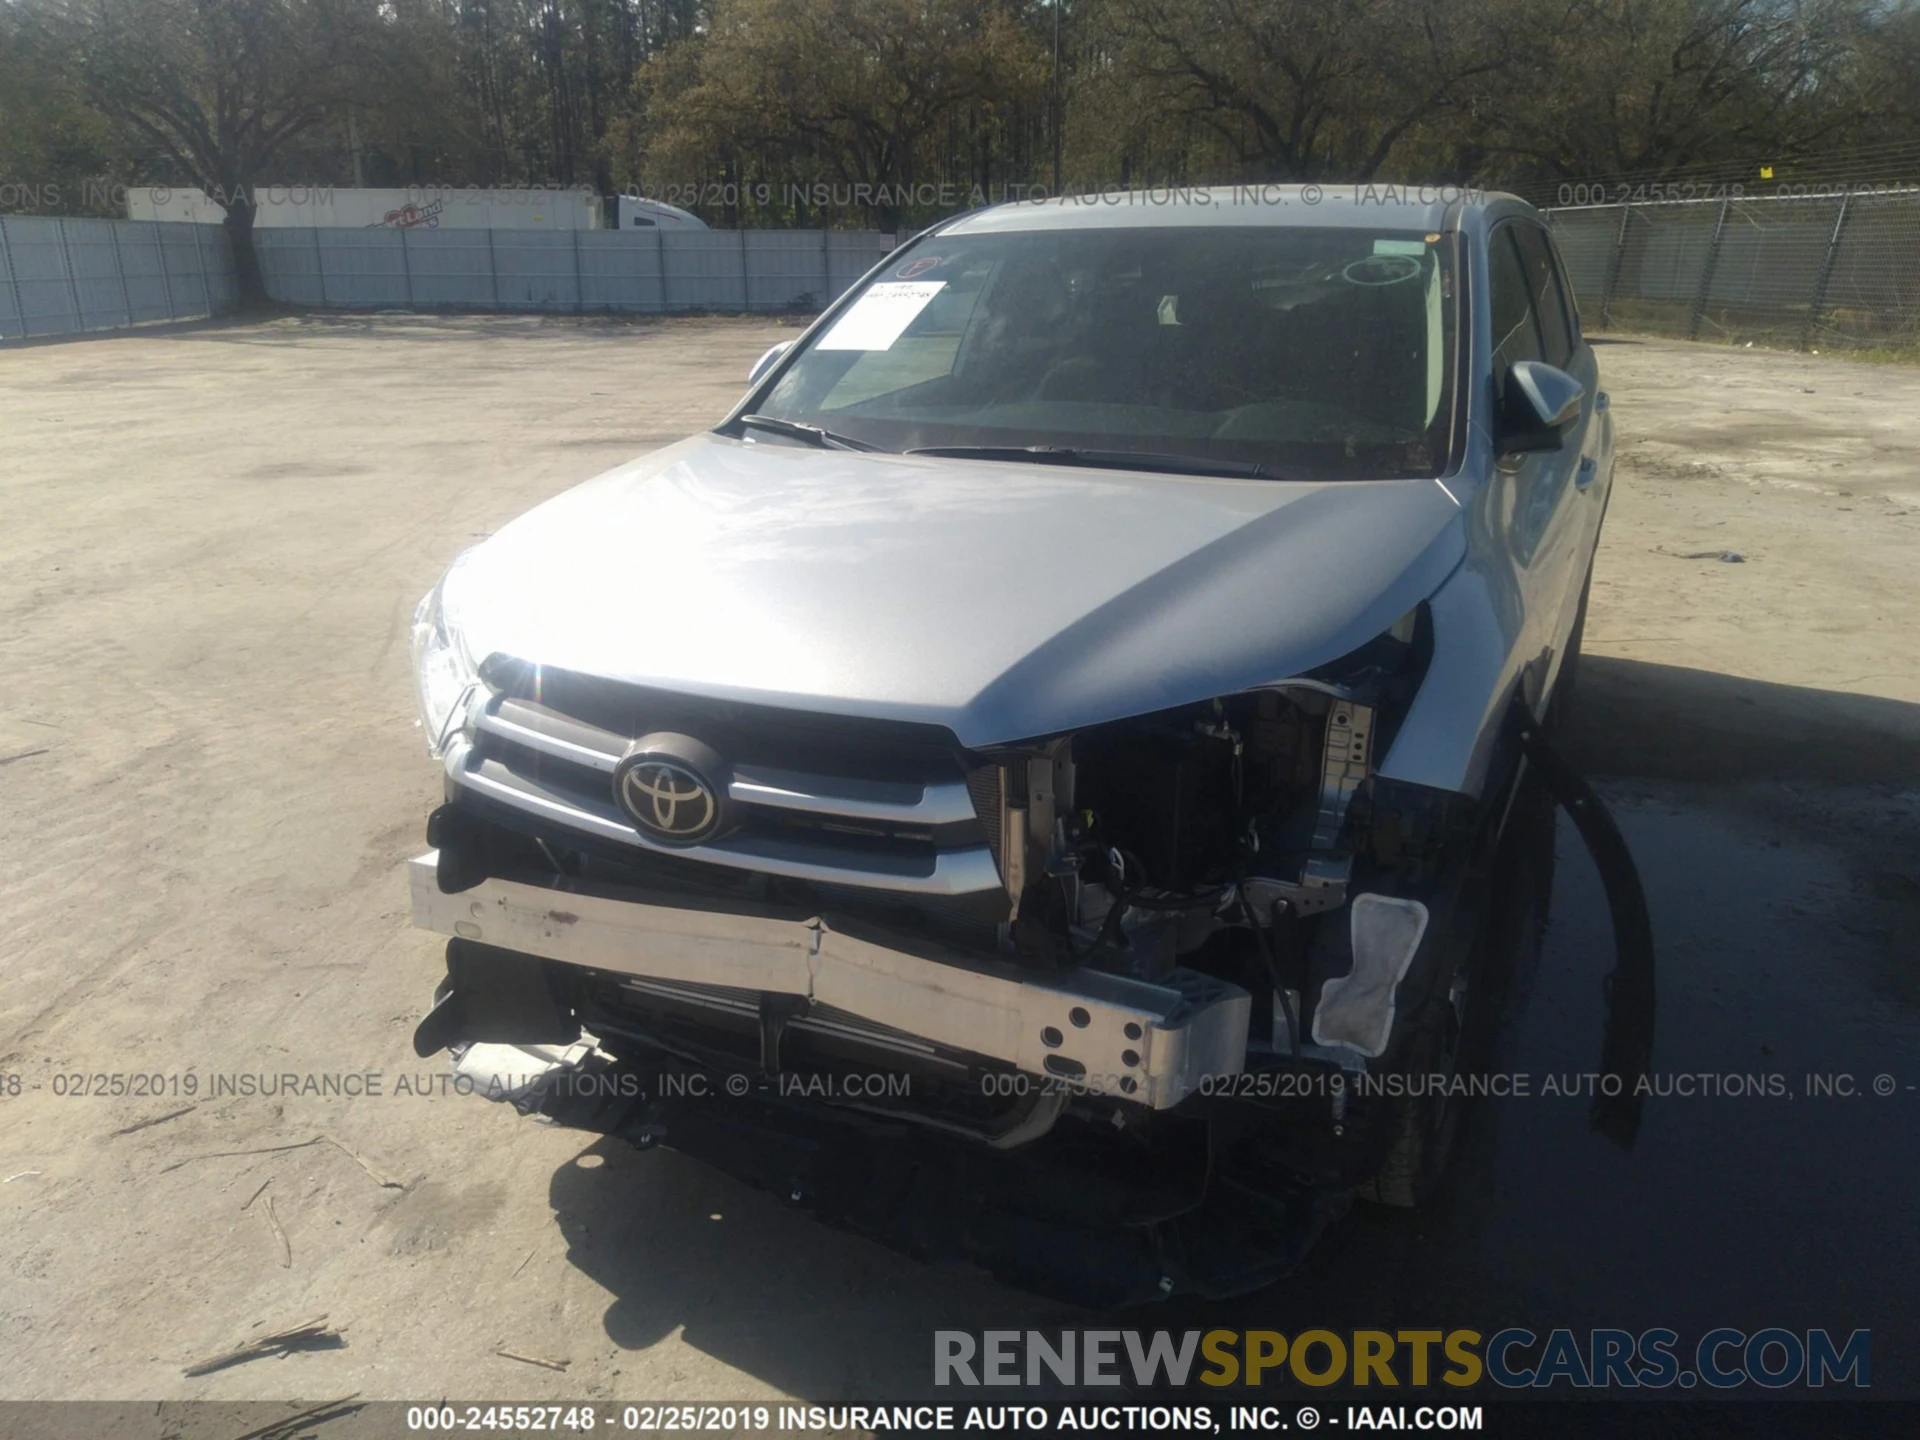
point(1149, 1044)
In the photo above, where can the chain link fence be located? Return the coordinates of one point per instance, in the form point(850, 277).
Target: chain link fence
point(67, 276)
point(1817, 270)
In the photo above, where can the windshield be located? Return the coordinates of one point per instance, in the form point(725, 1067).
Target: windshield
point(1287, 352)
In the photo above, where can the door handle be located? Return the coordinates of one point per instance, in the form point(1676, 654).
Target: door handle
point(1583, 477)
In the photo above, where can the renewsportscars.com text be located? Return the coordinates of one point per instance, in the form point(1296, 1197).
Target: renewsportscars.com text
point(1721, 1359)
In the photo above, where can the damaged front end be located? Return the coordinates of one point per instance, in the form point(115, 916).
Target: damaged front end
point(1089, 1011)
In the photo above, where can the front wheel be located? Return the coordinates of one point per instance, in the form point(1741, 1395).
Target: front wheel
point(1459, 1031)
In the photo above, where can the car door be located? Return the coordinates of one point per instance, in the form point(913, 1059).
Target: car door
point(1593, 475)
point(1545, 533)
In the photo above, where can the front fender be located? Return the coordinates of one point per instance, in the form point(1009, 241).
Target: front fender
point(1447, 739)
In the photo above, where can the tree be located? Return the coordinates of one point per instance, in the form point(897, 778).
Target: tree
point(51, 141)
point(1307, 90)
point(222, 88)
point(1644, 88)
point(854, 91)
point(894, 94)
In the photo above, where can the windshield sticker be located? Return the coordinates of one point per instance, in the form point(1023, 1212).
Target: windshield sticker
point(879, 316)
point(919, 266)
point(1399, 247)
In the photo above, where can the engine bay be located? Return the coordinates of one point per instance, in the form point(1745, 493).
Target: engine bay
point(1208, 836)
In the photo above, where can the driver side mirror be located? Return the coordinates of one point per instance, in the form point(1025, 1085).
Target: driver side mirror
point(1538, 406)
point(766, 361)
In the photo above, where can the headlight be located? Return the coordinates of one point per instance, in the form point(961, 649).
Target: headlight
point(444, 675)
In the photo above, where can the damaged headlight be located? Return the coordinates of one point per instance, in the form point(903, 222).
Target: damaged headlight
point(445, 676)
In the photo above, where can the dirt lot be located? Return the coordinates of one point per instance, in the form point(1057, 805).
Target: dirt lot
point(210, 777)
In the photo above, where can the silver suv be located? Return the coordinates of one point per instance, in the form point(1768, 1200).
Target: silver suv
point(1020, 783)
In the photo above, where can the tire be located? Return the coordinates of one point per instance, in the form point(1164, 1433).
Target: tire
point(1413, 1166)
point(1459, 1031)
point(1425, 1127)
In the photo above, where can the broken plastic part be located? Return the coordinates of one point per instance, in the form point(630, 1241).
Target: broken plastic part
point(1356, 1009)
point(516, 1074)
point(1627, 1051)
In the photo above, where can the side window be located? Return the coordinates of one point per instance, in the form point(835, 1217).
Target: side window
point(1566, 288)
point(1510, 306)
point(1543, 285)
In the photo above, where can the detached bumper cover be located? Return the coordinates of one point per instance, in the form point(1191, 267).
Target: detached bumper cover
point(1147, 1044)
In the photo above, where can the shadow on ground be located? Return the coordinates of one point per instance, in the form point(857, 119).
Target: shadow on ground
point(1666, 722)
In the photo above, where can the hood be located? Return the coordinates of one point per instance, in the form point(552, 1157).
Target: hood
point(1002, 601)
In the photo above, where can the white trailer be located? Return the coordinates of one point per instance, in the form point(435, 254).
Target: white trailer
point(431, 207)
point(632, 213)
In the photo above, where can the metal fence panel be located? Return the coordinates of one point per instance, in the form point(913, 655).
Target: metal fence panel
point(10, 325)
point(705, 269)
point(620, 270)
point(644, 271)
point(450, 268)
point(67, 275)
point(183, 251)
point(364, 269)
point(786, 269)
point(850, 254)
point(94, 262)
point(536, 270)
point(1835, 270)
point(290, 266)
point(43, 288)
point(143, 271)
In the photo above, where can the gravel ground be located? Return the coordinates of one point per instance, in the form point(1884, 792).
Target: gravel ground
point(210, 778)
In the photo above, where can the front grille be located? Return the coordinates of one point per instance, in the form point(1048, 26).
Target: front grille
point(983, 788)
point(842, 801)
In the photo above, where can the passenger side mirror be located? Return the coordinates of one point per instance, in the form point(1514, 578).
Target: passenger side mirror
point(765, 362)
point(1538, 405)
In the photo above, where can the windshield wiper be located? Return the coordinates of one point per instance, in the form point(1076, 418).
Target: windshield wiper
point(814, 434)
point(1156, 460)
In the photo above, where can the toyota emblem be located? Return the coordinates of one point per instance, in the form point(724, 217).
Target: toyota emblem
point(669, 787)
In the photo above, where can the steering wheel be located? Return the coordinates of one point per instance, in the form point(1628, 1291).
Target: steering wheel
point(1380, 270)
